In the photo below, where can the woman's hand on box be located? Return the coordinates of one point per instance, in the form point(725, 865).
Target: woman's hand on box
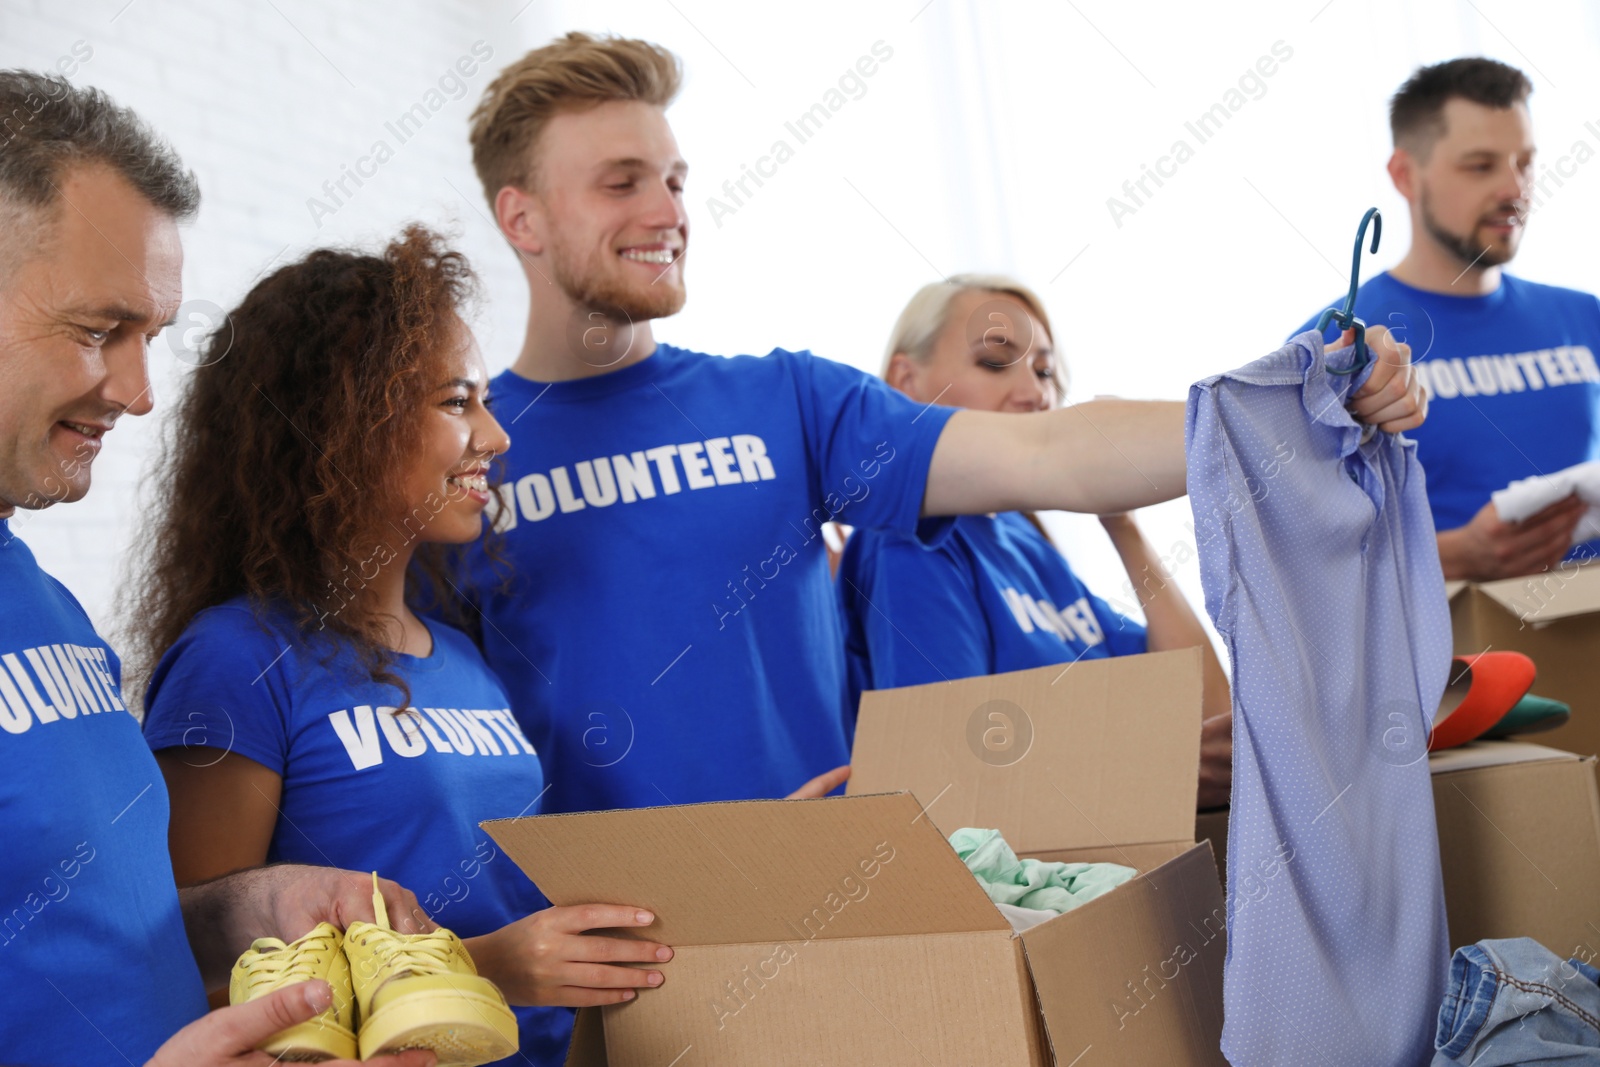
point(822, 784)
point(554, 957)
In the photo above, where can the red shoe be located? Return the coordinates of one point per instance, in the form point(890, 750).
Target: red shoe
point(1481, 690)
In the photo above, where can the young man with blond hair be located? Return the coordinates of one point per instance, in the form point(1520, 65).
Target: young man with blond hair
point(668, 633)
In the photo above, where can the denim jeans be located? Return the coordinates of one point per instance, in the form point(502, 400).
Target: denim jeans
point(1514, 1001)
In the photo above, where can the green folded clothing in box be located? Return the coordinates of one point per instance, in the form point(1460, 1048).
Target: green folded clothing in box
point(1032, 885)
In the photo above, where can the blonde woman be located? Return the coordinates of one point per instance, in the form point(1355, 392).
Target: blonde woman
point(981, 594)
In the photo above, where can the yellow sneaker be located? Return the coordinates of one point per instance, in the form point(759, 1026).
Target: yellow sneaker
point(269, 964)
point(422, 991)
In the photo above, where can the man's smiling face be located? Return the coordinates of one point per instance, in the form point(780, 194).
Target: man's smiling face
point(610, 179)
point(86, 290)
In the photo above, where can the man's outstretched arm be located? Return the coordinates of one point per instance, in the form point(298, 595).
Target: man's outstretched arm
point(1100, 457)
point(1108, 456)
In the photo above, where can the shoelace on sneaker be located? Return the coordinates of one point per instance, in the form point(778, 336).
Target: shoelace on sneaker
point(274, 966)
point(416, 953)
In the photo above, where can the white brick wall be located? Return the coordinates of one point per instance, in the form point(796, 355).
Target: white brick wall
point(264, 119)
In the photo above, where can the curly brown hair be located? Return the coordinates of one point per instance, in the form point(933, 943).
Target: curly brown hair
point(288, 451)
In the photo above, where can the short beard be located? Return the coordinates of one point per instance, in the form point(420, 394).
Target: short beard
point(1464, 249)
point(594, 290)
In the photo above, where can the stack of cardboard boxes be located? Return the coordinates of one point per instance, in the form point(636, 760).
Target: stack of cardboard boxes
point(1519, 823)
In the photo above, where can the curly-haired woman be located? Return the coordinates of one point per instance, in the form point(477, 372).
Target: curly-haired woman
point(332, 445)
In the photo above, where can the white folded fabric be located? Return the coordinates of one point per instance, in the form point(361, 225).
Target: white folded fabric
point(1528, 496)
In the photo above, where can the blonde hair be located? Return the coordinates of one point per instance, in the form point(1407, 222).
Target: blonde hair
point(572, 73)
point(928, 312)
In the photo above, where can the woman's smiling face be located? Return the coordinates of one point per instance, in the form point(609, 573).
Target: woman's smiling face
point(447, 488)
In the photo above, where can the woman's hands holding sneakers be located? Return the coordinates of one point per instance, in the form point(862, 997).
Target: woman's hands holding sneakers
point(552, 958)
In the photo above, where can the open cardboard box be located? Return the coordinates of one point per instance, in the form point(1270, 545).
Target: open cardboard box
point(847, 930)
point(1554, 618)
point(1096, 762)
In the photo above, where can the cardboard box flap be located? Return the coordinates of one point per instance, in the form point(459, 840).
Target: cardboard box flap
point(757, 871)
point(1168, 929)
point(1475, 754)
point(1557, 594)
point(1100, 752)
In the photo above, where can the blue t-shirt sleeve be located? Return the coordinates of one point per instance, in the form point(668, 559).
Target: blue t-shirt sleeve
point(870, 445)
point(1124, 636)
point(218, 687)
point(912, 612)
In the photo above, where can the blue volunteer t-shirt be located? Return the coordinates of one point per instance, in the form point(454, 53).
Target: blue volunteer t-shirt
point(990, 595)
point(1512, 377)
point(669, 632)
point(364, 787)
point(94, 959)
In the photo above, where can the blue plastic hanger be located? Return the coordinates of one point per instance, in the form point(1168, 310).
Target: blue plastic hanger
point(1346, 318)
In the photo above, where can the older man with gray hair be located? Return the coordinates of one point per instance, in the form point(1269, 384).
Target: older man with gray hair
point(102, 957)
